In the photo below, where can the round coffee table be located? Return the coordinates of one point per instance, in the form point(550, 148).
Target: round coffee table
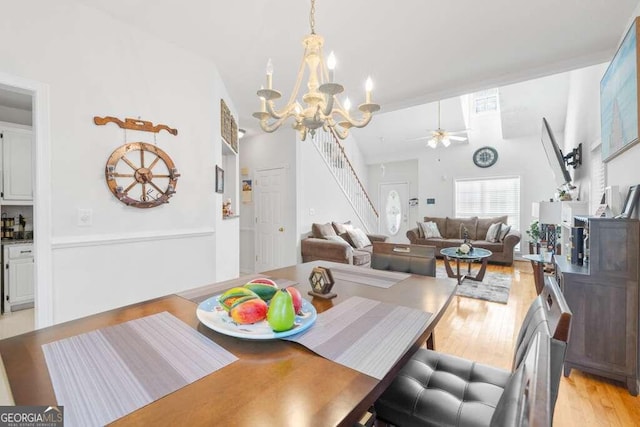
point(477, 254)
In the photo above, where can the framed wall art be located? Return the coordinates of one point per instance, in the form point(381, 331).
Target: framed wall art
point(247, 189)
point(619, 98)
point(219, 179)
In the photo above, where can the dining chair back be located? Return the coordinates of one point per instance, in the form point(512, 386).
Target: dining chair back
point(525, 401)
point(413, 259)
point(434, 388)
point(549, 311)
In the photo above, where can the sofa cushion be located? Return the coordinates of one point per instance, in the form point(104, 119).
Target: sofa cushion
point(454, 227)
point(493, 234)
point(342, 228)
point(321, 231)
point(420, 232)
point(429, 230)
point(492, 246)
point(359, 238)
point(339, 240)
point(504, 230)
point(485, 223)
point(362, 257)
point(440, 222)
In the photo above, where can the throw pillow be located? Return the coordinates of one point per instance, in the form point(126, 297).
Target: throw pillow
point(359, 238)
point(342, 228)
point(504, 230)
point(321, 231)
point(420, 232)
point(430, 230)
point(493, 234)
point(339, 240)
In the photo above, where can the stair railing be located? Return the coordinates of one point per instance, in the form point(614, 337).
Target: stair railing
point(334, 156)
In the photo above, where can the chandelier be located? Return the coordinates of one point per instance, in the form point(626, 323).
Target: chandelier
point(322, 108)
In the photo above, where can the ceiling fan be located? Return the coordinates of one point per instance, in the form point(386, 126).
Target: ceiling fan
point(441, 135)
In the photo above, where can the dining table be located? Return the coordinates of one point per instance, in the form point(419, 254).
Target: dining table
point(269, 382)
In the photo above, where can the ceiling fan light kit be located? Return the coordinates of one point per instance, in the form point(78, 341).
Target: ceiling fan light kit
point(442, 136)
point(322, 108)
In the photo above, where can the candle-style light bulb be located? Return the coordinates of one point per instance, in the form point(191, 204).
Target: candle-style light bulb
point(298, 108)
point(269, 74)
point(368, 87)
point(263, 102)
point(347, 104)
point(331, 65)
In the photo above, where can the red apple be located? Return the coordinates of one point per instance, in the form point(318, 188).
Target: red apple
point(296, 297)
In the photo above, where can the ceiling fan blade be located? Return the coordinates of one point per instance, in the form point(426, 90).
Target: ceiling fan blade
point(458, 132)
point(417, 139)
point(457, 138)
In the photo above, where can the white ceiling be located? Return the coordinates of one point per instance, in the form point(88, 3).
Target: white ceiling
point(416, 51)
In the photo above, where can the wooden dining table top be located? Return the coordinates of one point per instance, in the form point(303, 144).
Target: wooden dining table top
point(274, 382)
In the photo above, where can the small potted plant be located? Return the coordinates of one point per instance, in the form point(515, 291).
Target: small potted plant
point(534, 237)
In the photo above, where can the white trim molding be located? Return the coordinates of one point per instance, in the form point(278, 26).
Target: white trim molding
point(121, 239)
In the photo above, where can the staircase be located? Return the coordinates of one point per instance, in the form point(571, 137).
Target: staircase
point(336, 160)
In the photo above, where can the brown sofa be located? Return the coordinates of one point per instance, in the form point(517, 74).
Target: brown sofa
point(450, 229)
point(318, 246)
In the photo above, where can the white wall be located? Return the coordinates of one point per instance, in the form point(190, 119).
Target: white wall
point(583, 126)
point(404, 171)
point(523, 157)
point(320, 199)
point(266, 151)
point(97, 66)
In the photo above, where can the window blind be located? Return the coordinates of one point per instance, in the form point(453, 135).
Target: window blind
point(489, 197)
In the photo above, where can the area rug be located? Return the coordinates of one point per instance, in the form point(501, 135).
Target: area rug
point(495, 286)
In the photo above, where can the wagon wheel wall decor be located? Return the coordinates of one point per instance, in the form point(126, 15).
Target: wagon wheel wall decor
point(141, 175)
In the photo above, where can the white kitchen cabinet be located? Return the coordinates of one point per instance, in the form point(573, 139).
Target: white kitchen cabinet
point(17, 185)
point(18, 277)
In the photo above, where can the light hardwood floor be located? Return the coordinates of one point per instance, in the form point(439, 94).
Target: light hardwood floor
point(16, 323)
point(485, 332)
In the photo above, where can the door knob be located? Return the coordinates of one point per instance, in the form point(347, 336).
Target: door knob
point(281, 229)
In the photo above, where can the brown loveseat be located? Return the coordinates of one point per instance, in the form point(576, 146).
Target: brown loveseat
point(319, 246)
point(451, 231)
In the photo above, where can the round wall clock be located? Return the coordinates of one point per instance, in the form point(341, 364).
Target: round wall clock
point(141, 175)
point(485, 157)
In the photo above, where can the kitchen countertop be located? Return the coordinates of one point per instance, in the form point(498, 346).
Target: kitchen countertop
point(5, 242)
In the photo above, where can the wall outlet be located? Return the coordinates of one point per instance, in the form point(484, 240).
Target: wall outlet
point(85, 217)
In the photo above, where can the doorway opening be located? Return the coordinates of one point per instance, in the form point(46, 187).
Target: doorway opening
point(36, 206)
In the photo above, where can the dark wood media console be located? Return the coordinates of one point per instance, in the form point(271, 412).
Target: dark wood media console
point(603, 295)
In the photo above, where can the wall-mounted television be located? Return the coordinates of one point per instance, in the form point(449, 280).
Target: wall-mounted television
point(554, 155)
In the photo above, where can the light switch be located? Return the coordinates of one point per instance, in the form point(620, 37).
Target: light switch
point(312, 211)
point(85, 217)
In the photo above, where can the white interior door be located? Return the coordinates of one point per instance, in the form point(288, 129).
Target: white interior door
point(393, 207)
point(271, 227)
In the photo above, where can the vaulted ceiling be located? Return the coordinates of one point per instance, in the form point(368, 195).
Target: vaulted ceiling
point(416, 51)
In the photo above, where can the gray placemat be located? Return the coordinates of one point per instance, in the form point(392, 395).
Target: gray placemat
point(105, 374)
point(200, 294)
point(366, 335)
point(367, 276)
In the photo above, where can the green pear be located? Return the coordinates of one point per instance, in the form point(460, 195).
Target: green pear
point(281, 315)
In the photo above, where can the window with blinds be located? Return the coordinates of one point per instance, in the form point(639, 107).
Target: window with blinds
point(489, 197)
